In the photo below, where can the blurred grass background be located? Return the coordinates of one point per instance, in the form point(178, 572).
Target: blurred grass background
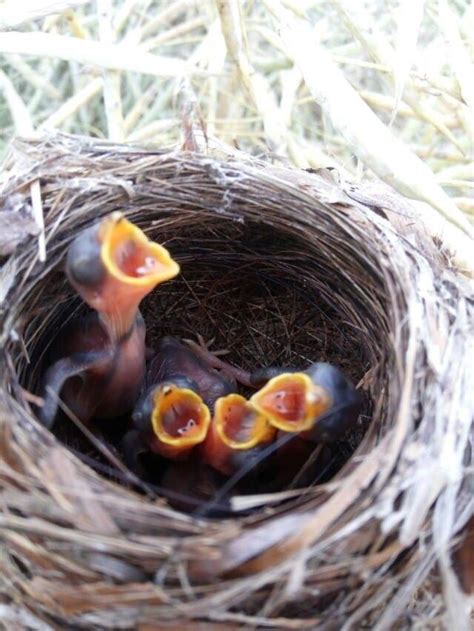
point(119, 69)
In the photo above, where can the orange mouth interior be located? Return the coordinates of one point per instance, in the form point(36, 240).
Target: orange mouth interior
point(131, 257)
point(180, 417)
point(288, 402)
point(239, 424)
point(292, 402)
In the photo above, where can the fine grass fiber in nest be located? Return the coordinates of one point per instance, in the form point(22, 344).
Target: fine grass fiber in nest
point(279, 267)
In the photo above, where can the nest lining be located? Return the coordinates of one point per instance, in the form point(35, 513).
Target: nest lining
point(267, 254)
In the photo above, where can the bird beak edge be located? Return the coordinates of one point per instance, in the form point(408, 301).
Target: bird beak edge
point(292, 402)
point(180, 420)
point(131, 258)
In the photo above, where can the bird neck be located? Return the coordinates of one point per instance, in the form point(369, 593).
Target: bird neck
point(119, 322)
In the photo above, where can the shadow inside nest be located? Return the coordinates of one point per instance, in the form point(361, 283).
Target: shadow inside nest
point(256, 294)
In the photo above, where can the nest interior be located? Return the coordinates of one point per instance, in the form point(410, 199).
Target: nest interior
point(280, 267)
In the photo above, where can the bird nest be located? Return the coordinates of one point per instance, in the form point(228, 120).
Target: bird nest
point(279, 267)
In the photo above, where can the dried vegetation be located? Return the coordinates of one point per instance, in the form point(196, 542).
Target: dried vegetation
point(279, 265)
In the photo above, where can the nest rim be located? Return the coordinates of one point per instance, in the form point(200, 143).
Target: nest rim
point(385, 274)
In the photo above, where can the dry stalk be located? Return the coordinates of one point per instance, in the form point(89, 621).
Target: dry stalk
point(370, 140)
point(255, 85)
point(73, 104)
point(112, 79)
point(14, 14)
point(113, 56)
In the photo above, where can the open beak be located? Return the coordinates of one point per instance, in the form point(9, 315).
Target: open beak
point(236, 429)
point(114, 267)
point(180, 420)
point(292, 402)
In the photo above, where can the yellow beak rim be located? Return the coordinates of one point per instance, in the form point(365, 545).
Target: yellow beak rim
point(316, 402)
point(165, 398)
point(116, 230)
point(263, 431)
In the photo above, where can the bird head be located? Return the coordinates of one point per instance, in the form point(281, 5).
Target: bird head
point(178, 419)
point(236, 430)
point(292, 402)
point(113, 266)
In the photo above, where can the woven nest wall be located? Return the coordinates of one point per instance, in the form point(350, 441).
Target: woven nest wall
point(280, 267)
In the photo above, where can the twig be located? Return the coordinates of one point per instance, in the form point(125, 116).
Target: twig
point(75, 25)
point(246, 502)
point(140, 106)
point(166, 15)
point(123, 14)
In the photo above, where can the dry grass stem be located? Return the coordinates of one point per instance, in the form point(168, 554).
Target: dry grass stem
point(73, 104)
point(13, 14)
point(254, 84)
point(371, 141)
point(380, 50)
point(433, 107)
point(410, 14)
point(113, 56)
point(32, 77)
point(18, 110)
point(462, 65)
point(112, 79)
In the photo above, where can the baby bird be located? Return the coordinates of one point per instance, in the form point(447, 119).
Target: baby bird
point(320, 404)
point(174, 359)
point(169, 419)
point(173, 414)
point(236, 436)
point(100, 359)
